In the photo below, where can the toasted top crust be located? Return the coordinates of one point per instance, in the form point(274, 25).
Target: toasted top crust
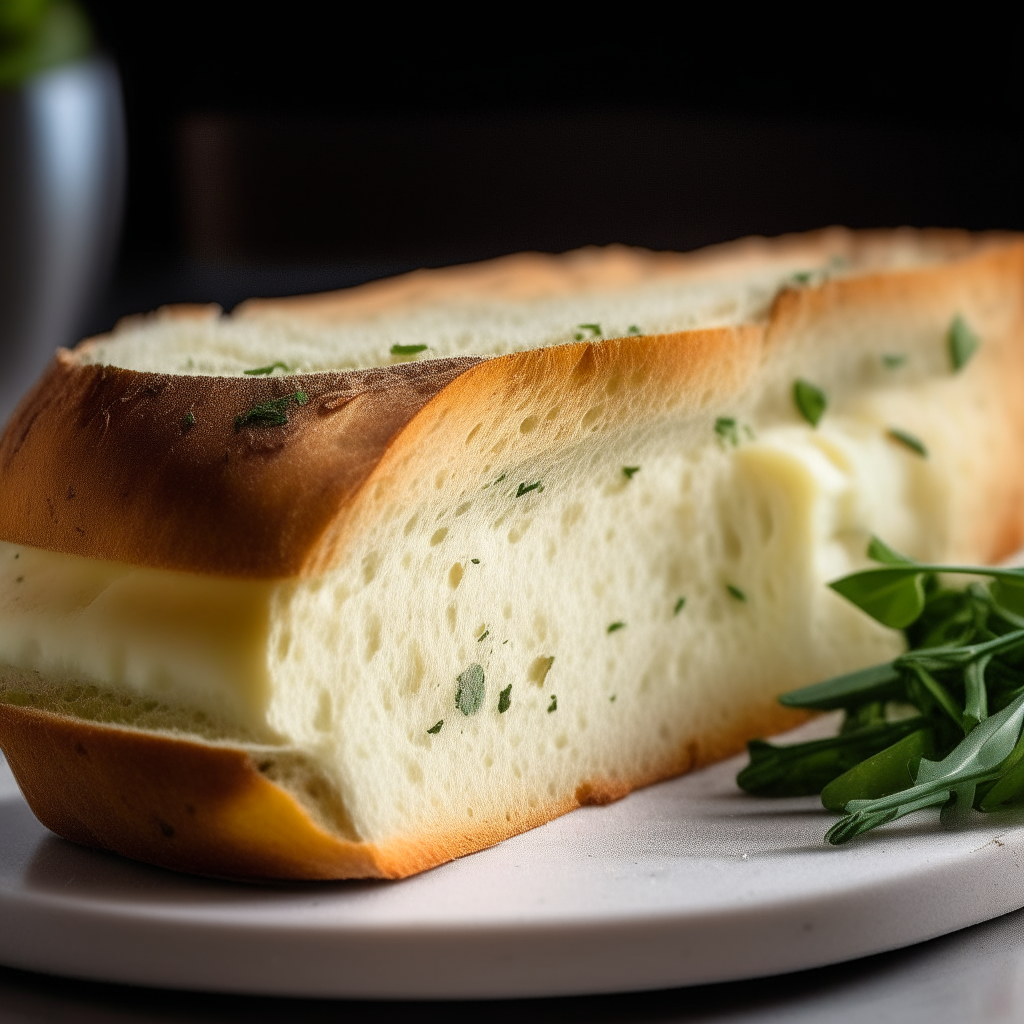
point(107, 463)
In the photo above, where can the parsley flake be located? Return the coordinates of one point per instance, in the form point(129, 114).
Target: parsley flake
point(633, 329)
point(595, 330)
point(435, 729)
point(475, 561)
point(616, 626)
point(908, 439)
point(629, 471)
point(272, 413)
point(893, 360)
point(735, 592)
point(680, 605)
point(505, 699)
point(962, 342)
point(728, 430)
point(526, 488)
point(611, 699)
point(188, 421)
point(553, 706)
point(407, 350)
point(486, 633)
point(470, 693)
point(262, 371)
point(810, 400)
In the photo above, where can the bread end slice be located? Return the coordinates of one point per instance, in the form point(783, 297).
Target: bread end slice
point(210, 810)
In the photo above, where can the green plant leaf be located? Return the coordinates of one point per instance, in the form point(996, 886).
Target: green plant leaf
point(889, 771)
point(976, 758)
point(810, 401)
point(908, 440)
point(802, 769)
point(469, 695)
point(893, 596)
point(962, 343)
point(878, 683)
point(879, 551)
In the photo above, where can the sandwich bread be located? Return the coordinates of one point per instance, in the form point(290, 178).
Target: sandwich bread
point(349, 585)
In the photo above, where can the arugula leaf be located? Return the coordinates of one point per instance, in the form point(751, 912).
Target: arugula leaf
point(884, 773)
point(962, 343)
point(878, 683)
point(879, 551)
point(802, 769)
point(975, 760)
point(810, 400)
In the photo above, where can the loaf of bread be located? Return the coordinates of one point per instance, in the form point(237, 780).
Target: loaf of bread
point(349, 585)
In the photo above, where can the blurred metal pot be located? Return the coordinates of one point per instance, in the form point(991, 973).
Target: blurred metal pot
point(62, 171)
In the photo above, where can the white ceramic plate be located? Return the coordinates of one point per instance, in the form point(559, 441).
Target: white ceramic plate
point(689, 881)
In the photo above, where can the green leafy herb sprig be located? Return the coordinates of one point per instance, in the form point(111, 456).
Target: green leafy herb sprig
point(939, 726)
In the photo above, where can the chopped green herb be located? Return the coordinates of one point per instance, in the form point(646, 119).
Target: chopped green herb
point(629, 471)
point(435, 729)
point(407, 350)
point(505, 699)
point(484, 634)
point(727, 430)
point(802, 276)
point(498, 481)
point(893, 360)
point(616, 626)
point(680, 604)
point(469, 696)
point(475, 561)
point(553, 706)
point(633, 329)
point(905, 438)
point(611, 699)
point(272, 413)
point(188, 421)
point(526, 488)
point(265, 370)
point(962, 342)
point(735, 592)
point(811, 401)
point(595, 329)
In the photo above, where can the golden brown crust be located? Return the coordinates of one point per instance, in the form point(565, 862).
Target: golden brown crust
point(207, 810)
point(103, 462)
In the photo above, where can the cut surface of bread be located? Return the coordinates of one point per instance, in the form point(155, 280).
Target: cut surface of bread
point(401, 604)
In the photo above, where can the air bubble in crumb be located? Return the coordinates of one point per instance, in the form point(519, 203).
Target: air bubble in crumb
point(455, 575)
point(439, 535)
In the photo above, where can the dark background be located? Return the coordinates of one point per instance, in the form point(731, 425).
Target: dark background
point(277, 148)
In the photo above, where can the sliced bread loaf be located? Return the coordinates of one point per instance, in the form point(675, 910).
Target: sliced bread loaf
point(352, 584)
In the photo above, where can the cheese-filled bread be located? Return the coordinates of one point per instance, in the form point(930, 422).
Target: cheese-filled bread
point(352, 584)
